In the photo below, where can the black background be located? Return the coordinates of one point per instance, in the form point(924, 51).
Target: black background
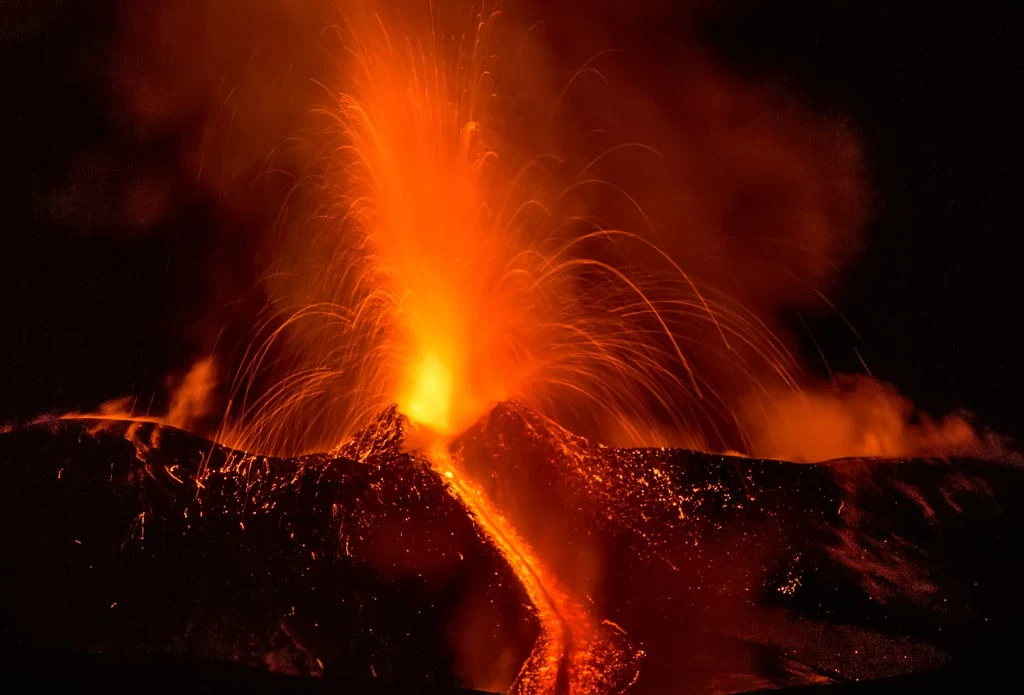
point(928, 87)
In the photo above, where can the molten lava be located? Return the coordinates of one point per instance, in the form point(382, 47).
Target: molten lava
point(560, 619)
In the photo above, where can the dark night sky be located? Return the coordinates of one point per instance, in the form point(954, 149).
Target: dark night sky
point(928, 87)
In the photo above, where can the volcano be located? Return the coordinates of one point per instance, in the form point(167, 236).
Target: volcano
point(144, 550)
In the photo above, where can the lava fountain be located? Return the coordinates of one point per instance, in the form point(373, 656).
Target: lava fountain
point(450, 263)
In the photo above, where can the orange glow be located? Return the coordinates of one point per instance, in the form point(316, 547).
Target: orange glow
point(857, 416)
point(448, 272)
point(429, 400)
point(190, 400)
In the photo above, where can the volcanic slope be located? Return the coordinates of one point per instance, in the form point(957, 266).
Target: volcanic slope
point(729, 573)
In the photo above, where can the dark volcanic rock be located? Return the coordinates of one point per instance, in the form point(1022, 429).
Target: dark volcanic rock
point(356, 571)
point(731, 574)
point(735, 573)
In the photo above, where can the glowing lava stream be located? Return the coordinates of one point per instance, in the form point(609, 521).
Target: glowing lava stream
point(565, 627)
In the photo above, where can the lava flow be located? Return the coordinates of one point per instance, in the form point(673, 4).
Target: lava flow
point(575, 652)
